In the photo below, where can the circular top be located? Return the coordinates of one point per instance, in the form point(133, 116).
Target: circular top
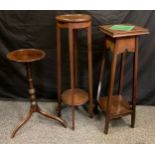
point(75, 97)
point(73, 18)
point(26, 55)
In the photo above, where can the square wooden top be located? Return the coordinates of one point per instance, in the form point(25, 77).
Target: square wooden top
point(137, 30)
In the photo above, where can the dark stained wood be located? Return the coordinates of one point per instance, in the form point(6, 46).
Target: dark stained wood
point(59, 70)
point(27, 56)
point(100, 78)
point(119, 106)
point(134, 89)
point(122, 67)
point(71, 58)
point(78, 25)
point(76, 57)
point(110, 93)
point(124, 43)
point(119, 33)
point(74, 22)
point(72, 78)
point(73, 18)
point(79, 97)
point(120, 42)
point(90, 71)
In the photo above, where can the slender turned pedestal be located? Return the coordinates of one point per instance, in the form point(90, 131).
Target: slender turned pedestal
point(27, 56)
point(74, 96)
point(119, 42)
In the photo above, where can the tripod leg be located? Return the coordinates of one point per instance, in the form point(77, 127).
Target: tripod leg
point(21, 124)
point(61, 121)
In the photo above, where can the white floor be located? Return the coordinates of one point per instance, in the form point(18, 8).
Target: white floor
point(41, 130)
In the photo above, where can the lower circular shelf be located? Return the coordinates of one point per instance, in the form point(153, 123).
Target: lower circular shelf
point(75, 97)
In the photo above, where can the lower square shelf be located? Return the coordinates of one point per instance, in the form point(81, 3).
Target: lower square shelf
point(119, 106)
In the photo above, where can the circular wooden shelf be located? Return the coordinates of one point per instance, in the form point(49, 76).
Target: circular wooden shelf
point(73, 18)
point(26, 55)
point(79, 97)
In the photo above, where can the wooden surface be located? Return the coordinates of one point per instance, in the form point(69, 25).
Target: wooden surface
point(123, 44)
point(26, 55)
point(119, 106)
point(79, 97)
point(119, 42)
point(74, 96)
point(73, 18)
point(119, 33)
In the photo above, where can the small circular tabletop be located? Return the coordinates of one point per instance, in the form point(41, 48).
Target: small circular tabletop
point(73, 18)
point(26, 55)
point(79, 96)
